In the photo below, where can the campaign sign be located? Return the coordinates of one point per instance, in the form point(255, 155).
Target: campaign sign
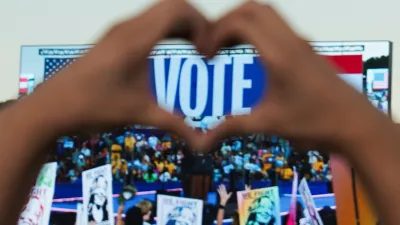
point(259, 206)
point(311, 211)
point(97, 196)
point(193, 86)
point(173, 210)
point(80, 219)
point(185, 82)
point(38, 208)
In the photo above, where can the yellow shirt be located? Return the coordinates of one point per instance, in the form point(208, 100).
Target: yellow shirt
point(266, 165)
point(170, 167)
point(116, 148)
point(115, 165)
point(287, 173)
point(129, 143)
point(166, 145)
point(318, 166)
point(160, 166)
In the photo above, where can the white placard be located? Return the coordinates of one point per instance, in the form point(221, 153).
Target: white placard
point(259, 206)
point(38, 208)
point(97, 195)
point(176, 210)
point(311, 211)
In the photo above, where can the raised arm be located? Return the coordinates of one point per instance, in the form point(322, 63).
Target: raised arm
point(224, 197)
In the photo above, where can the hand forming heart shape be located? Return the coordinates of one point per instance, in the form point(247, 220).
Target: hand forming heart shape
point(110, 85)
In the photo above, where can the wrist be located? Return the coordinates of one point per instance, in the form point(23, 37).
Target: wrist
point(374, 131)
point(56, 106)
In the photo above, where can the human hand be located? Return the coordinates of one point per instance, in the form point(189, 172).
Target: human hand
point(223, 194)
point(306, 101)
point(109, 86)
point(121, 208)
point(247, 187)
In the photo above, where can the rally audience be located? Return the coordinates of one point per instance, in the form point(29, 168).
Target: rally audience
point(150, 155)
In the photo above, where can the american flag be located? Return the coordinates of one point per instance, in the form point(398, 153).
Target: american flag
point(53, 65)
point(380, 80)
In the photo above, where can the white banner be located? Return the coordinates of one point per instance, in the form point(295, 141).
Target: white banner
point(80, 219)
point(97, 195)
point(175, 210)
point(38, 208)
point(311, 211)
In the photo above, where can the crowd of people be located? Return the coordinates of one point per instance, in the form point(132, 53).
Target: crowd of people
point(150, 155)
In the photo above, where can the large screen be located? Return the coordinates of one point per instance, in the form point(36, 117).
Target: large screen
point(206, 93)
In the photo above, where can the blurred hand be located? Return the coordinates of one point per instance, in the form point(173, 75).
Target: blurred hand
point(109, 86)
point(247, 187)
point(223, 194)
point(306, 101)
point(121, 209)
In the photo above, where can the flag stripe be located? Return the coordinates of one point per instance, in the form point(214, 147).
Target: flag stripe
point(349, 64)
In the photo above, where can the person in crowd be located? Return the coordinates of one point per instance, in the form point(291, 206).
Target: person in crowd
point(169, 166)
point(137, 215)
point(286, 173)
point(102, 157)
point(129, 142)
point(116, 152)
point(328, 216)
point(150, 176)
point(224, 196)
point(85, 150)
point(330, 114)
point(165, 176)
point(153, 141)
point(318, 167)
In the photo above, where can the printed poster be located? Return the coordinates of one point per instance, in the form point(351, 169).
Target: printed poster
point(97, 195)
point(259, 206)
point(311, 211)
point(173, 210)
point(80, 219)
point(38, 208)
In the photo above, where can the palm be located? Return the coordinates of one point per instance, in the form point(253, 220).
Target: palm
point(113, 89)
point(223, 194)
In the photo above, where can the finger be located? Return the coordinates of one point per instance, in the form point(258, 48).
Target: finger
point(167, 19)
point(256, 24)
point(223, 188)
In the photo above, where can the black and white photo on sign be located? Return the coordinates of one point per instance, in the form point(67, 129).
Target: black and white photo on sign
point(259, 206)
point(179, 211)
point(97, 195)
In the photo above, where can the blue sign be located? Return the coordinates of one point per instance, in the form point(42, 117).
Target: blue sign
point(194, 86)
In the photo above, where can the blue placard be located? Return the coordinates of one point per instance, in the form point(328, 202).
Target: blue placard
point(194, 86)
